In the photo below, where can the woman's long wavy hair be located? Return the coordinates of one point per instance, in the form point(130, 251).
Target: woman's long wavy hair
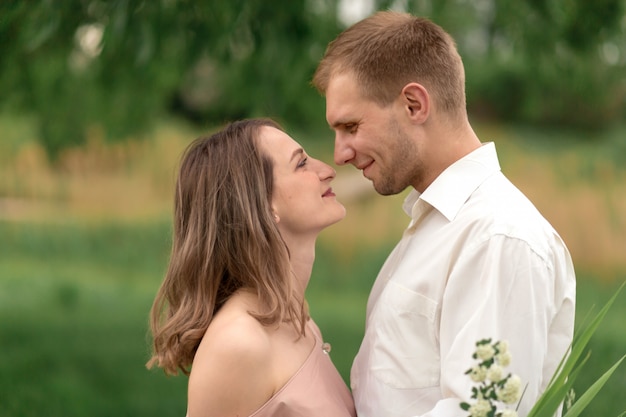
point(225, 238)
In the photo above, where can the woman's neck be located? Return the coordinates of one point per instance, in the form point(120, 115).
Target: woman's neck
point(302, 256)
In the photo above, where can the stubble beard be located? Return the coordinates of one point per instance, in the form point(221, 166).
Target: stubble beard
point(405, 169)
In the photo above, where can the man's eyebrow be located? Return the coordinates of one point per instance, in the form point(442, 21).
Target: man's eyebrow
point(298, 151)
point(339, 123)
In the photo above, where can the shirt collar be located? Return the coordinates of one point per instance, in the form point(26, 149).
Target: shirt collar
point(451, 189)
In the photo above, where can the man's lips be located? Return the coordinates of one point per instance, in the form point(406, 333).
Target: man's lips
point(364, 167)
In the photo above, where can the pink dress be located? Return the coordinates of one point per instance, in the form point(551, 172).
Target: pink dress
point(315, 390)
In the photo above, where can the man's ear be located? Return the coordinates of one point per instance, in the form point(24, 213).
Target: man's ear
point(416, 102)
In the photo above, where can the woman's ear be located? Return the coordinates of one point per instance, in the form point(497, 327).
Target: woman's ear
point(416, 102)
point(274, 211)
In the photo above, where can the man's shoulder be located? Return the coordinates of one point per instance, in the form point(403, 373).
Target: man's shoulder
point(499, 208)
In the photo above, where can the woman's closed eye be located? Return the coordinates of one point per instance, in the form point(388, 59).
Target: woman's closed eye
point(302, 162)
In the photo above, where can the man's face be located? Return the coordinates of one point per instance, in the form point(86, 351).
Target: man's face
point(371, 137)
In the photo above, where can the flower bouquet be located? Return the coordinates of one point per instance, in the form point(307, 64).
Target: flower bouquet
point(494, 388)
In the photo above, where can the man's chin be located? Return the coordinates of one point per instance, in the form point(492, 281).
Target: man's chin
point(386, 189)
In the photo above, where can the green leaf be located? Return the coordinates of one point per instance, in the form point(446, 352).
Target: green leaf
point(591, 392)
point(558, 392)
point(568, 368)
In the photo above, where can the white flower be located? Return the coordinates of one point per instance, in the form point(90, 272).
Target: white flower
point(503, 346)
point(503, 358)
point(570, 397)
point(510, 392)
point(480, 409)
point(495, 373)
point(492, 382)
point(478, 373)
point(485, 352)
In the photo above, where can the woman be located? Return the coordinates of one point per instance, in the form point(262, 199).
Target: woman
point(249, 206)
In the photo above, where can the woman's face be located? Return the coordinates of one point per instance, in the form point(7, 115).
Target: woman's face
point(303, 199)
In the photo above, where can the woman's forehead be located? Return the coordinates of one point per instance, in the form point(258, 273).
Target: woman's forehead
point(278, 143)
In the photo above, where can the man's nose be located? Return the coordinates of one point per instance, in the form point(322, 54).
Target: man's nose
point(343, 151)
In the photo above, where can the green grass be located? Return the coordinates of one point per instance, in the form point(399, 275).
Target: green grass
point(73, 321)
point(74, 300)
point(606, 347)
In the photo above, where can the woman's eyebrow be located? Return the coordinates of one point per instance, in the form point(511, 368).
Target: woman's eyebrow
point(295, 153)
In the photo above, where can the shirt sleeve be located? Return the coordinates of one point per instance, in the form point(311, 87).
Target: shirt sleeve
point(504, 289)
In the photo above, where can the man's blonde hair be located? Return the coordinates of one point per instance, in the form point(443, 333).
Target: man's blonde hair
point(388, 50)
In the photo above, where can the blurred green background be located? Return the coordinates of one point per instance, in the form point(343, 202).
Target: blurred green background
point(99, 98)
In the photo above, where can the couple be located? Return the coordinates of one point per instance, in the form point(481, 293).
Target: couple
point(476, 261)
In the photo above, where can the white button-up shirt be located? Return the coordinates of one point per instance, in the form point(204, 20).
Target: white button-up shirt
point(477, 261)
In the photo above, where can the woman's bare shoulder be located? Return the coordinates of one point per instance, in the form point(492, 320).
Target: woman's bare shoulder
point(231, 372)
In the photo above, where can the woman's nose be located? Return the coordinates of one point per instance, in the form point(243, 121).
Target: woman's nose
point(326, 172)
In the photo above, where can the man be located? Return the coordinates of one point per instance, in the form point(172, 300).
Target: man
point(477, 259)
